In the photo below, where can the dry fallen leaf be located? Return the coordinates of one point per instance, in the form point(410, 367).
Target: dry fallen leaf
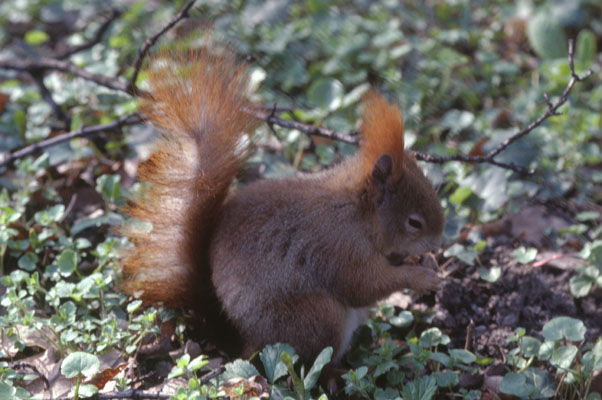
point(256, 386)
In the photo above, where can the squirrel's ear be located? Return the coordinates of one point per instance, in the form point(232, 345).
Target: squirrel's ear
point(383, 167)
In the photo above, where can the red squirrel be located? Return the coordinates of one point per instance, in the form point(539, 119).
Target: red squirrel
point(296, 260)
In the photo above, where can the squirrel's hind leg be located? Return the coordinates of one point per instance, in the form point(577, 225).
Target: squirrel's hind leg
point(308, 323)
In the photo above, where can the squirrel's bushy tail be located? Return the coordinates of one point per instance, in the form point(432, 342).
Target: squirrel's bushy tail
point(196, 102)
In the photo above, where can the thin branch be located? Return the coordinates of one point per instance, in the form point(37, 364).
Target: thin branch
point(8, 157)
point(149, 42)
point(42, 64)
point(213, 374)
point(95, 39)
point(35, 370)
point(552, 109)
point(271, 119)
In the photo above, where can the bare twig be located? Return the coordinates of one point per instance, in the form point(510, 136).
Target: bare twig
point(35, 370)
point(95, 39)
point(43, 64)
point(149, 42)
point(129, 119)
point(551, 110)
point(271, 119)
point(351, 137)
point(213, 374)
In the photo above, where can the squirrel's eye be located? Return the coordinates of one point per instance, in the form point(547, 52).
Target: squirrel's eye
point(415, 222)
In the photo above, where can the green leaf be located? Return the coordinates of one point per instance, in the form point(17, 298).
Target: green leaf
point(239, 369)
point(490, 275)
point(314, 373)
point(109, 186)
point(133, 306)
point(585, 54)
point(403, 320)
point(525, 256)
point(462, 355)
point(198, 363)
point(539, 383)
point(326, 93)
point(564, 327)
point(580, 285)
point(441, 358)
point(563, 356)
point(461, 252)
point(459, 195)
point(85, 390)
point(545, 350)
point(36, 37)
point(515, 384)
point(420, 389)
point(67, 262)
point(432, 337)
point(28, 261)
point(56, 212)
point(587, 216)
point(80, 363)
point(592, 360)
point(273, 365)
point(7, 391)
point(446, 378)
point(529, 346)
point(547, 36)
point(298, 384)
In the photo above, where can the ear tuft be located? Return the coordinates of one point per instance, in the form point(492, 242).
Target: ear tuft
point(382, 133)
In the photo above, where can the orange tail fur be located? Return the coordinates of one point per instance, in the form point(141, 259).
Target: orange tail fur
point(196, 102)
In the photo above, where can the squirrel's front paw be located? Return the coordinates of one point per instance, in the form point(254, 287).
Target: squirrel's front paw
point(424, 279)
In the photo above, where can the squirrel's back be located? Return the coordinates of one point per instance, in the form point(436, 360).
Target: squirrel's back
point(196, 102)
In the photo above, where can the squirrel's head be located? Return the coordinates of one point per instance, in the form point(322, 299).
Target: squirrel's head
point(406, 213)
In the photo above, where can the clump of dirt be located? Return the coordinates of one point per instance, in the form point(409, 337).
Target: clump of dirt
point(524, 296)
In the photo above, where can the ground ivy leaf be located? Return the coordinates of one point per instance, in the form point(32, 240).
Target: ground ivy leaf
point(564, 327)
point(446, 378)
point(404, 319)
point(28, 261)
point(239, 369)
point(515, 384)
point(462, 355)
point(563, 356)
point(67, 262)
point(420, 389)
point(80, 363)
point(314, 373)
point(273, 365)
point(580, 285)
point(525, 256)
point(490, 275)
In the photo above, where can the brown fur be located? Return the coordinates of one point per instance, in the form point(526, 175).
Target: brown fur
point(293, 260)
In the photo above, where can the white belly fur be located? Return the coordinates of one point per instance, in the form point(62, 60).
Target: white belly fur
point(353, 319)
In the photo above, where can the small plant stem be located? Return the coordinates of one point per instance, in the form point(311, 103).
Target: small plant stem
point(2, 252)
point(59, 343)
point(588, 383)
point(79, 379)
point(527, 364)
